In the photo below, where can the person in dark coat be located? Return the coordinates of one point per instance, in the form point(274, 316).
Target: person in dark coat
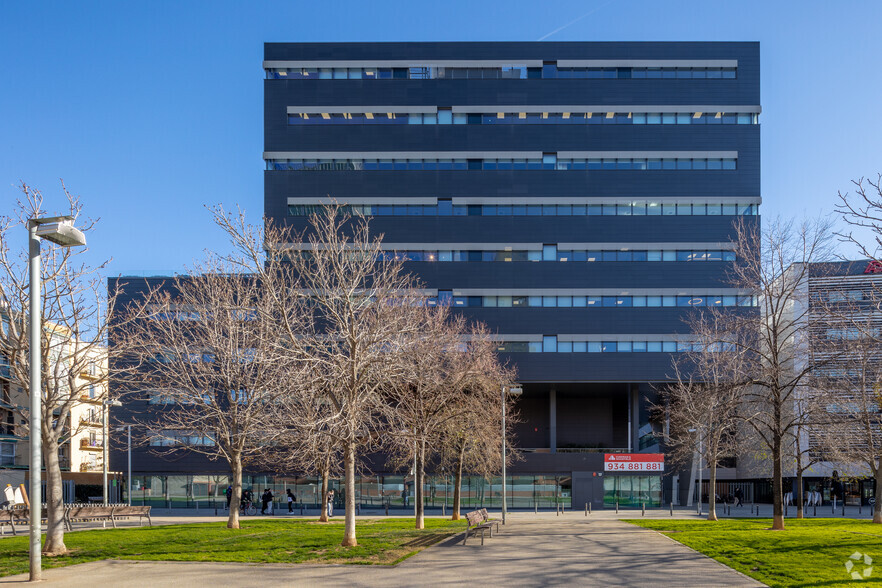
point(265, 499)
point(292, 500)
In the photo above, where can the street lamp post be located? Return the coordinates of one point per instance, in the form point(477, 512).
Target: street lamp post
point(105, 453)
point(696, 478)
point(58, 230)
point(129, 459)
point(513, 391)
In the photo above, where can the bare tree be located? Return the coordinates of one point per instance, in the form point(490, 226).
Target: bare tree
point(74, 310)
point(210, 361)
point(849, 341)
point(301, 422)
point(702, 404)
point(443, 378)
point(863, 210)
point(471, 442)
point(774, 339)
point(360, 310)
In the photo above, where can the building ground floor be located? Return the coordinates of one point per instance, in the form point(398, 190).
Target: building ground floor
point(375, 492)
point(563, 432)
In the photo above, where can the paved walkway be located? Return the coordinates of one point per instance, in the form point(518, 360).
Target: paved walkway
point(532, 550)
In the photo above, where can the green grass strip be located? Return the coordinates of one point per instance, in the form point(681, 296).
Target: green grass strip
point(809, 552)
point(380, 541)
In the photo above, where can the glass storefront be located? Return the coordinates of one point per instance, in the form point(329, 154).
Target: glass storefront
point(524, 492)
point(632, 491)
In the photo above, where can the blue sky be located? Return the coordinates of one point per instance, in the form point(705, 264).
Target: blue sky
point(151, 110)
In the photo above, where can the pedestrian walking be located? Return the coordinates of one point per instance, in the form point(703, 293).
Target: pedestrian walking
point(265, 499)
point(738, 497)
point(229, 495)
point(330, 503)
point(292, 500)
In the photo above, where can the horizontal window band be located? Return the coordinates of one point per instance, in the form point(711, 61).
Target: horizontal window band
point(518, 108)
point(408, 63)
point(267, 155)
point(386, 246)
point(344, 116)
point(590, 337)
point(362, 109)
point(706, 63)
point(590, 291)
point(445, 208)
point(509, 200)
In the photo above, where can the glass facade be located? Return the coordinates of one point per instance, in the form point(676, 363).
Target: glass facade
point(442, 117)
point(497, 72)
point(632, 491)
point(594, 208)
point(526, 492)
point(546, 163)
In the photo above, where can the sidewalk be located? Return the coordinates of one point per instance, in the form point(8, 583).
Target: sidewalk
point(531, 550)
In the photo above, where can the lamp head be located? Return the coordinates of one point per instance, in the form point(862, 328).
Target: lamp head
point(59, 230)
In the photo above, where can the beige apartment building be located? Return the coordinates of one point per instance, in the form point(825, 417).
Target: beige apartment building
point(82, 455)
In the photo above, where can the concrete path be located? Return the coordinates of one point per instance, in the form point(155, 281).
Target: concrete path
point(532, 550)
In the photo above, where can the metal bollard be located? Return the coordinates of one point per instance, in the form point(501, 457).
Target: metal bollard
point(834, 505)
point(843, 508)
point(387, 509)
point(444, 510)
point(586, 509)
point(557, 510)
point(672, 508)
point(535, 508)
point(215, 511)
point(643, 509)
point(589, 508)
point(617, 507)
point(785, 510)
point(816, 510)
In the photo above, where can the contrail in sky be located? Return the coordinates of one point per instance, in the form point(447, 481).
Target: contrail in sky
point(574, 21)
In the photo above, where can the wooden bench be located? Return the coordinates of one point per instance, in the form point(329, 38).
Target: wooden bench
point(14, 516)
point(112, 513)
point(488, 520)
point(88, 513)
point(9, 517)
point(476, 523)
point(134, 511)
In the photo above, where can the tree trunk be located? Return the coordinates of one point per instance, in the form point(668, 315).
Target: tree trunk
point(457, 486)
point(799, 502)
point(323, 506)
point(54, 500)
point(712, 492)
point(877, 508)
point(418, 480)
point(349, 465)
point(236, 498)
point(777, 485)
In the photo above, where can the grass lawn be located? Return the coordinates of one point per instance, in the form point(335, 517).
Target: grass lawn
point(810, 552)
point(380, 541)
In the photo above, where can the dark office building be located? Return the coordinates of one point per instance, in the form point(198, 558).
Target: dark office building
point(576, 197)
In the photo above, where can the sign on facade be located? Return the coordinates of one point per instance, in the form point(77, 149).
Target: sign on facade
point(874, 267)
point(633, 462)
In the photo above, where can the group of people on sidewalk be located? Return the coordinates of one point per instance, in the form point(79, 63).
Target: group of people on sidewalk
point(267, 497)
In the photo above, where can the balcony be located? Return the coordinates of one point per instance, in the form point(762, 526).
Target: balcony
point(90, 445)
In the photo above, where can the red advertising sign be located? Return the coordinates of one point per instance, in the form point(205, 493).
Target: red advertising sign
point(633, 462)
point(874, 267)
